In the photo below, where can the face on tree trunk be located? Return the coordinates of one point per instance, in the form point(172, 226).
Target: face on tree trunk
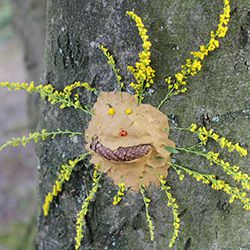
point(127, 140)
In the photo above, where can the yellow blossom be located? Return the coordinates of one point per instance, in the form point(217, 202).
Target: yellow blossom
point(204, 134)
point(218, 184)
point(233, 171)
point(53, 96)
point(193, 127)
point(194, 65)
point(121, 192)
point(112, 63)
point(148, 217)
point(172, 203)
point(143, 72)
point(80, 222)
point(64, 175)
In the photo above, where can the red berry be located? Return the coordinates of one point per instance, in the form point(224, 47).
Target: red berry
point(123, 133)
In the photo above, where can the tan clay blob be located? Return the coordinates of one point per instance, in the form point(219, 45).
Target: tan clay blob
point(145, 132)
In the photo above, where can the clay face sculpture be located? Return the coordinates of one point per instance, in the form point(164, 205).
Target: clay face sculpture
point(127, 140)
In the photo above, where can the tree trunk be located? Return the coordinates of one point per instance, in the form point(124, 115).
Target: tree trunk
point(218, 97)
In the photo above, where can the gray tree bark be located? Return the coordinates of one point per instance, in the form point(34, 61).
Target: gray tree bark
point(217, 97)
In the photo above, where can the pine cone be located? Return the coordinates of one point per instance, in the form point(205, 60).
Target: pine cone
point(121, 154)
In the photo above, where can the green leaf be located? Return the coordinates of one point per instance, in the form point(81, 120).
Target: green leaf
point(172, 150)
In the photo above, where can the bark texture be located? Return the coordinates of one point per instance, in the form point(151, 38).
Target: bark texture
point(218, 97)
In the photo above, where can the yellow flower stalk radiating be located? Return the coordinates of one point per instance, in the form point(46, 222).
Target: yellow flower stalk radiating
point(64, 98)
point(218, 184)
point(121, 192)
point(64, 175)
point(80, 222)
point(111, 62)
point(142, 71)
point(148, 217)
point(205, 134)
point(35, 137)
point(177, 84)
point(171, 203)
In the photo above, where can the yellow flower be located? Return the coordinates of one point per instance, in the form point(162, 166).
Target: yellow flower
point(193, 66)
point(171, 203)
point(193, 127)
point(121, 192)
point(179, 77)
point(148, 217)
point(111, 62)
point(80, 221)
point(142, 72)
point(64, 175)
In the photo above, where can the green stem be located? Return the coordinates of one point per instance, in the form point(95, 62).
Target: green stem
point(165, 99)
point(185, 169)
point(36, 136)
point(181, 129)
point(141, 93)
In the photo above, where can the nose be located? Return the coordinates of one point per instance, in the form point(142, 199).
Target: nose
point(123, 133)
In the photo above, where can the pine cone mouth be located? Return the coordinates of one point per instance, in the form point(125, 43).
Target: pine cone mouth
point(121, 154)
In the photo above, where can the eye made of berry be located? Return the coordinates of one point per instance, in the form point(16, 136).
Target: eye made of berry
point(111, 111)
point(128, 111)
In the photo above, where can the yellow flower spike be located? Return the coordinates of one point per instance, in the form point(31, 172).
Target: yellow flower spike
point(80, 222)
point(111, 111)
point(148, 217)
point(47, 91)
point(128, 111)
point(194, 65)
point(116, 200)
point(35, 137)
point(121, 192)
point(171, 203)
point(233, 171)
point(64, 175)
point(112, 63)
point(193, 127)
point(143, 72)
point(217, 184)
